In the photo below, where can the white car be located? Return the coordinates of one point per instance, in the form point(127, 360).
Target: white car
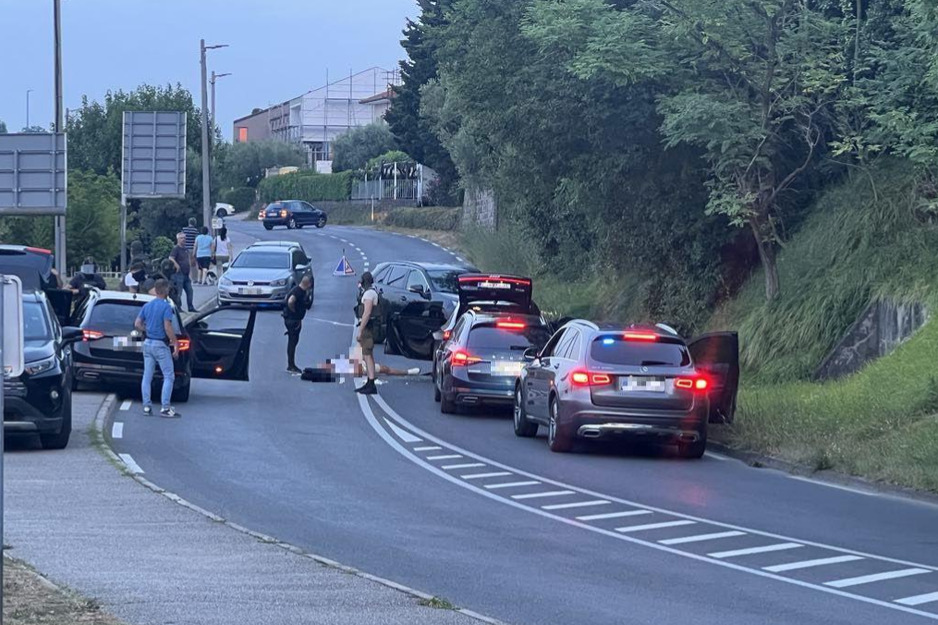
point(224, 210)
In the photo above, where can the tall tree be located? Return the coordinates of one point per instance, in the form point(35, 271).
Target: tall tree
point(3, 127)
point(243, 164)
point(355, 148)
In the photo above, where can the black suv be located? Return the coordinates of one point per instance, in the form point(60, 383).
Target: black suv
point(293, 214)
point(40, 400)
point(34, 266)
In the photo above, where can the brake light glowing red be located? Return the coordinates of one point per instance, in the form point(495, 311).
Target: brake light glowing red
point(641, 336)
point(283, 213)
point(184, 344)
point(92, 335)
point(39, 250)
point(692, 384)
point(510, 325)
point(462, 358)
point(520, 281)
point(585, 378)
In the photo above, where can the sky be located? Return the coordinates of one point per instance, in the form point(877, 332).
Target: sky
point(279, 49)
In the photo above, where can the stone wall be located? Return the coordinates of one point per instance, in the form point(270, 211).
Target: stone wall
point(882, 327)
point(480, 208)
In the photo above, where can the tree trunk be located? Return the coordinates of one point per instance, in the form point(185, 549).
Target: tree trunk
point(767, 255)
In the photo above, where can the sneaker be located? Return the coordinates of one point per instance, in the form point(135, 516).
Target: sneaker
point(369, 388)
point(147, 410)
point(294, 371)
point(169, 413)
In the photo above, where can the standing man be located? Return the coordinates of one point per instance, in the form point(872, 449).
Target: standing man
point(298, 302)
point(191, 232)
point(160, 347)
point(367, 304)
point(181, 259)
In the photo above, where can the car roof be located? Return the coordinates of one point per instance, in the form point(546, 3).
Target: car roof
point(661, 330)
point(422, 265)
point(275, 244)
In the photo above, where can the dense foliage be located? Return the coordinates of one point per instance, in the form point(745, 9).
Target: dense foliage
point(244, 164)
point(353, 150)
point(242, 198)
point(308, 186)
point(446, 219)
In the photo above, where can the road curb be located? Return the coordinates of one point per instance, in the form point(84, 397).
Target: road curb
point(103, 419)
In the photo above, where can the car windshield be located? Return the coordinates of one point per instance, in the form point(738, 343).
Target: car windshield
point(262, 260)
point(36, 322)
point(493, 337)
point(115, 318)
point(616, 350)
point(444, 280)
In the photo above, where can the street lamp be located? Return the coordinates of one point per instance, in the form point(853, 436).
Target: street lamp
point(28, 91)
point(206, 163)
point(214, 78)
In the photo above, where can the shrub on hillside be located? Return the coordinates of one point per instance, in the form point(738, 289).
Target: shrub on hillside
point(308, 186)
point(424, 218)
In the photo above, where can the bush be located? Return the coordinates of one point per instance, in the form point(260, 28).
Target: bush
point(161, 248)
point(424, 218)
point(240, 197)
point(308, 186)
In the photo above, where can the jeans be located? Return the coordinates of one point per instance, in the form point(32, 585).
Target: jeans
point(157, 353)
point(183, 283)
point(293, 338)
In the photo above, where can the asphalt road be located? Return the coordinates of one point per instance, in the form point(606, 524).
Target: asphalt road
point(459, 507)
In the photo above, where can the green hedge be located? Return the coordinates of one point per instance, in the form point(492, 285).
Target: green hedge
point(307, 186)
point(424, 218)
point(240, 197)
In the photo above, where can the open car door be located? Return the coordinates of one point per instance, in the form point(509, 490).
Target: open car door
point(410, 332)
point(221, 342)
point(717, 356)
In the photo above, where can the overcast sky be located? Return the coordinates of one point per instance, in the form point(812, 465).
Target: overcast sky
point(279, 48)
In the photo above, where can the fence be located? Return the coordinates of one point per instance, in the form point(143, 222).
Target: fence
point(380, 189)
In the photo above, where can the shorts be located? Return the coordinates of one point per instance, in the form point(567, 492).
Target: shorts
point(204, 262)
point(367, 342)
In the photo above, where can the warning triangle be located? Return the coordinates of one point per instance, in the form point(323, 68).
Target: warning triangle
point(344, 268)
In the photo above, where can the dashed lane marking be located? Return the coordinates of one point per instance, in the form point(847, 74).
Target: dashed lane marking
point(735, 553)
point(613, 515)
point(444, 457)
point(576, 504)
point(876, 577)
point(628, 529)
point(931, 597)
point(552, 493)
point(511, 485)
point(132, 466)
point(428, 448)
point(482, 476)
point(808, 564)
point(699, 538)
point(468, 465)
point(126, 405)
point(117, 430)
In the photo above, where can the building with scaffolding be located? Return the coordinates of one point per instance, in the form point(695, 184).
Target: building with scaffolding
point(317, 117)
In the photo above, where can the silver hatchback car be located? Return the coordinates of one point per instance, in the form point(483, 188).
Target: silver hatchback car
point(645, 382)
point(264, 273)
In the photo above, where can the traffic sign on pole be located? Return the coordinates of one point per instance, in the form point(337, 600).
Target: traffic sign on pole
point(33, 177)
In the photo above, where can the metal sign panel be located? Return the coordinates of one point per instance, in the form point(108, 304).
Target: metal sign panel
point(33, 176)
point(154, 154)
point(11, 326)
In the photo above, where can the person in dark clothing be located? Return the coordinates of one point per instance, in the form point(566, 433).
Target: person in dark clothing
point(138, 255)
point(86, 277)
point(191, 231)
point(181, 258)
point(294, 310)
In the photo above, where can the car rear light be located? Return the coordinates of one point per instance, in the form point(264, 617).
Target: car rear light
point(495, 279)
point(92, 335)
point(447, 334)
point(40, 250)
point(184, 344)
point(692, 384)
point(511, 325)
point(462, 358)
point(641, 336)
point(585, 378)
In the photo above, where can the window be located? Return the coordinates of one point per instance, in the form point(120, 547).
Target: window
point(36, 325)
point(551, 347)
point(381, 275)
point(226, 321)
point(416, 279)
point(242, 134)
point(564, 346)
point(118, 317)
point(262, 260)
point(445, 280)
point(397, 275)
point(571, 350)
point(490, 337)
point(615, 350)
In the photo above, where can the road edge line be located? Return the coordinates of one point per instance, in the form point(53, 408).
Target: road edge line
point(105, 416)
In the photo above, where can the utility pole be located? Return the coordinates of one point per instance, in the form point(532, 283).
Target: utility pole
point(60, 238)
point(206, 148)
point(214, 78)
point(28, 91)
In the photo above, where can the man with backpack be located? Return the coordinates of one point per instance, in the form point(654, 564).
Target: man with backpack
point(294, 310)
point(366, 311)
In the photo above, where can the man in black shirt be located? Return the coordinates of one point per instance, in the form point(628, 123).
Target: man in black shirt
point(298, 302)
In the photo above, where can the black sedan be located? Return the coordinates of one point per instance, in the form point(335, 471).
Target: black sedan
point(40, 400)
point(215, 344)
point(293, 214)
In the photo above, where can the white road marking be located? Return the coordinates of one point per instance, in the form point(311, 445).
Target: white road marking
point(126, 405)
point(612, 515)
point(470, 465)
point(444, 457)
point(807, 564)
point(482, 476)
point(754, 550)
point(716, 456)
point(856, 491)
point(428, 448)
point(919, 599)
point(365, 406)
point(132, 466)
point(117, 430)
point(460, 259)
point(876, 577)
point(699, 538)
point(437, 245)
point(510, 485)
point(654, 526)
point(402, 434)
point(577, 504)
point(364, 257)
point(330, 322)
point(553, 493)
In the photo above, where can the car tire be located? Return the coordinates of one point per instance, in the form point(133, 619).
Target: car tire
point(523, 427)
point(695, 450)
point(221, 212)
point(437, 395)
point(268, 227)
point(181, 394)
point(447, 405)
point(291, 225)
point(59, 440)
point(321, 223)
point(559, 438)
point(299, 226)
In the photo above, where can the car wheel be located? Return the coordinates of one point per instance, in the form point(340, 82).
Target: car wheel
point(59, 440)
point(437, 395)
point(221, 212)
point(695, 450)
point(181, 394)
point(268, 227)
point(291, 224)
point(447, 406)
point(558, 438)
point(321, 223)
point(523, 427)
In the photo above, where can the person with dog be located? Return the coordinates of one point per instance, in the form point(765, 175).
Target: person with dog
point(294, 310)
point(203, 254)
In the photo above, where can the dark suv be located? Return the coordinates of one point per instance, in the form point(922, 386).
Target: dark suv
point(592, 381)
point(293, 214)
point(40, 400)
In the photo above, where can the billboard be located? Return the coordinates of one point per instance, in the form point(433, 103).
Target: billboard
point(33, 174)
point(154, 154)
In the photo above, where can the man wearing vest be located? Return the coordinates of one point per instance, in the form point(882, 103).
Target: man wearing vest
point(367, 312)
point(294, 310)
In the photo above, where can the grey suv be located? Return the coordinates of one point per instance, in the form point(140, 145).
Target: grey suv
point(593, 381)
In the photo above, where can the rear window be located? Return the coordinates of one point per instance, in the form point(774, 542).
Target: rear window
point(444, 280)
point(118, 317)
point(32, 268)
point(615, 350)
point(491, 337)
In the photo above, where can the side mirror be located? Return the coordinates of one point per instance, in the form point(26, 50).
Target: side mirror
point(530, 354)
point(70, 334)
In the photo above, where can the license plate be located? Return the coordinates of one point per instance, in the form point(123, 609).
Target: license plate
point(126, 344)
point(249, 291)
point(506, 368)
point(636, 384)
